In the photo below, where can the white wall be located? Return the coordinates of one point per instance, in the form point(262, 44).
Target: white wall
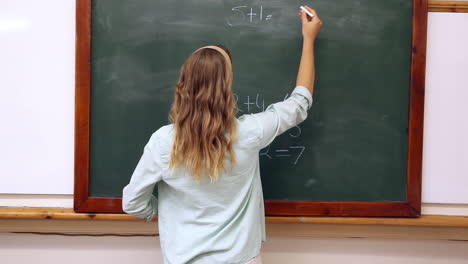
point(52, 249)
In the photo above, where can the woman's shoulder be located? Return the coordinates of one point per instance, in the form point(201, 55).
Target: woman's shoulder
point(165, 131)
point(161, 135)
point(162, 140)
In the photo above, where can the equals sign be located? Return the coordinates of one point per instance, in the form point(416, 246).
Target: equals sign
point(282, 151)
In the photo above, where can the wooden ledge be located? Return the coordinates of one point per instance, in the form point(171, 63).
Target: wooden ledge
point(425, 220)
point(57, 213)
point(68, 213)
point(448, 6)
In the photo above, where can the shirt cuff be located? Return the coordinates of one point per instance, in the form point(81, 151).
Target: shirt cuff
point(301, 90)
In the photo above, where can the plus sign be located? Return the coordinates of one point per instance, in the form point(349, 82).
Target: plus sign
point(251, 14)
point(248, 103)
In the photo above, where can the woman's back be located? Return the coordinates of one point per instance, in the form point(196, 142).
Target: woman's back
point(220, 221)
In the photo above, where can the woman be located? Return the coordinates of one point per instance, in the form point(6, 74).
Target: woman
point(206, 163)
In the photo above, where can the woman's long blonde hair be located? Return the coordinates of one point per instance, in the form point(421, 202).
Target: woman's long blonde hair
point(203, 113)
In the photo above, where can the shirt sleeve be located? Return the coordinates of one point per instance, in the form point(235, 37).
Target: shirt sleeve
point(137, 197)
point(280, 117)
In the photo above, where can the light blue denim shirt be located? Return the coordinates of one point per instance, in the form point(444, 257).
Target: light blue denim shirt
point(219, 222)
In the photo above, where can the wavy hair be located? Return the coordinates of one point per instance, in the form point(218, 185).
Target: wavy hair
point(203, 113)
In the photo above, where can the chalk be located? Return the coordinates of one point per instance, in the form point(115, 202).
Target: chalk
point(307, 11)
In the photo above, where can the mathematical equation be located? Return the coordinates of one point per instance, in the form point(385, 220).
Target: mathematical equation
point(294, 153)
point(242, 15)
point(254, 104)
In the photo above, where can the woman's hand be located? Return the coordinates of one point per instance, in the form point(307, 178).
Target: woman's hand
point(310, 26)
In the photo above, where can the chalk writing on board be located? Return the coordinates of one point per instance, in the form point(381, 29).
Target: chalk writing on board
point(293, 153)
point(254, 104)
point(241, 15)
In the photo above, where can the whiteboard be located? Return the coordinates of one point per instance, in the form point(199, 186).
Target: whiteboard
point(37, 45)
point(445, 165)
point(37, 102)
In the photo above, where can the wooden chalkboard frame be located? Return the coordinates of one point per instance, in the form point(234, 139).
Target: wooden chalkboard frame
point(83, 202)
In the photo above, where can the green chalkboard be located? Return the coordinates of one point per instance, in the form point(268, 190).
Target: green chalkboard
point(353, 146)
